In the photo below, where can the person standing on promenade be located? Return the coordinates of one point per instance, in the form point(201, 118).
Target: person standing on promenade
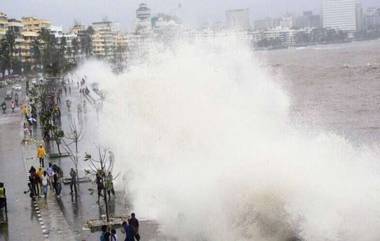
point(44, 181)
point(109, 185)
point(41, 154)
point(73, 181)
point(99, 185)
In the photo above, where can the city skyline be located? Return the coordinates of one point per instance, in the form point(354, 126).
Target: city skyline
point(66, 12)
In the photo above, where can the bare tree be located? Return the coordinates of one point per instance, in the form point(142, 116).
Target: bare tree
point(73, 138)
point(100, 168)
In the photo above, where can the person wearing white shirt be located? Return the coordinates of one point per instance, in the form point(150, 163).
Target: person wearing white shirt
point(45, 183)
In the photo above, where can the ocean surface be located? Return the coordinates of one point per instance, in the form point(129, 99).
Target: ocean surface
point(335, 88)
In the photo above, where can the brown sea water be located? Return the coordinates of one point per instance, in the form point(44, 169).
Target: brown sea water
point(333, 87)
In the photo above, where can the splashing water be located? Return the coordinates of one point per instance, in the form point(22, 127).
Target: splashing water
point(205, 141)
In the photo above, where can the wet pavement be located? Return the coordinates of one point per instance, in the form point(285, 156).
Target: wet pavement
point(52, 218)
point(22, 221)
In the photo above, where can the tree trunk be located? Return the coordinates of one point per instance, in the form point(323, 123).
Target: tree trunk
point(59, 150)
point(106, 201)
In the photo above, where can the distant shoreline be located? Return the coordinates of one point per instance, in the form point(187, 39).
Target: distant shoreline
point(308, 46)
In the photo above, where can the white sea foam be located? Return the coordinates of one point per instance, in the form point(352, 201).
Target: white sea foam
point(203, 136)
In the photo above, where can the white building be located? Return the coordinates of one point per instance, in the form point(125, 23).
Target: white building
point(107, 39)
point(71, 51)
point(238, 19)
point(343, 15)
point(57, 31)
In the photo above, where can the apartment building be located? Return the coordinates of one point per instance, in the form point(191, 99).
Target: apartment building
point(105, 39)
point(3, 24)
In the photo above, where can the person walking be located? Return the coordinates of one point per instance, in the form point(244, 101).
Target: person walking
point(26, 132)
point(33, 179)
point(113, 236)
point(3, 198)
point(57, 184)
point(13, 106)
point(40, 172)
point(104, 236)
point(44, 182)
point(4, 107)
point(134, 222)
point(39, 175)
point(73, 181)
point(129, 232)
point(16, 99)
point(41, 154)
point(68, 104)
point(50, 174)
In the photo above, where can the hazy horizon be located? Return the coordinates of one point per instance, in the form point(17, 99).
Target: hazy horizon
point(195, 12)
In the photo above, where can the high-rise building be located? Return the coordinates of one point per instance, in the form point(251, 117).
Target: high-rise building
point(308, 20)
point(238, 19)
point(372, 19)
point(343, 15)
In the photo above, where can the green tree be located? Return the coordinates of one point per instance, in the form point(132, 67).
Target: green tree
point(36, 52)
point(7, 46)
point(86, 41)
point(53, 53)
point(75, 47)
point(60, 62)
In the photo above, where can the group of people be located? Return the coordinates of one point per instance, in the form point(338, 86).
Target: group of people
point(30, 113)
point(41, 178)
point(83, 89)
point(129, 227)
point(104, 181)
point(14, 103)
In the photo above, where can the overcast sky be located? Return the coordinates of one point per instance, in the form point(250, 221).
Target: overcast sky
point(64, 12)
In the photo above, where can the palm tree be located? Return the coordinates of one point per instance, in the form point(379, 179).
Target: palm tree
point(36, 52)
point(10, 38)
